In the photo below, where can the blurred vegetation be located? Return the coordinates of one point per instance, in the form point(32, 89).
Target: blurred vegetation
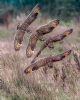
point(64, 9)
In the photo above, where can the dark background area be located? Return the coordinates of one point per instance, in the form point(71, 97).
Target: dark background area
point(62, 9)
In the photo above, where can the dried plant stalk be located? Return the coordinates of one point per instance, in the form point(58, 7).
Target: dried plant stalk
point(56, 74)
point(63, 77)
point(76, 58)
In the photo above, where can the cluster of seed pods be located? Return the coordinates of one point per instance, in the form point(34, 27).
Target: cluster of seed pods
point(38, 35)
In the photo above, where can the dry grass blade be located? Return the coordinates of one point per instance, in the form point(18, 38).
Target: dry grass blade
point(76, 58)
point(63, 77)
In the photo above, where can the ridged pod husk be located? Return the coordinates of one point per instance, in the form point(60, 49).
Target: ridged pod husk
point(43, 62)
point(22, 28)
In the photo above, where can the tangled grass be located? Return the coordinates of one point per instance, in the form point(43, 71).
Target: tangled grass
point(59, 83)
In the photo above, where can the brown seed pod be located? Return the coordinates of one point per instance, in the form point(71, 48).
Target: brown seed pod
point(43, 62)
point(22, 28)
point(48, 27)
point(39, 33)
point(32, 43)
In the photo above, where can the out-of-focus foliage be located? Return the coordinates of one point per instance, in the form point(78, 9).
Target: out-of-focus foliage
point(64, 9)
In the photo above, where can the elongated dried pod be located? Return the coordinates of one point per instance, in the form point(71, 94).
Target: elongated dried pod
point(38, 35)
point(49, 42)
point(43, 62)
point(21, 29)
point(48, 27)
